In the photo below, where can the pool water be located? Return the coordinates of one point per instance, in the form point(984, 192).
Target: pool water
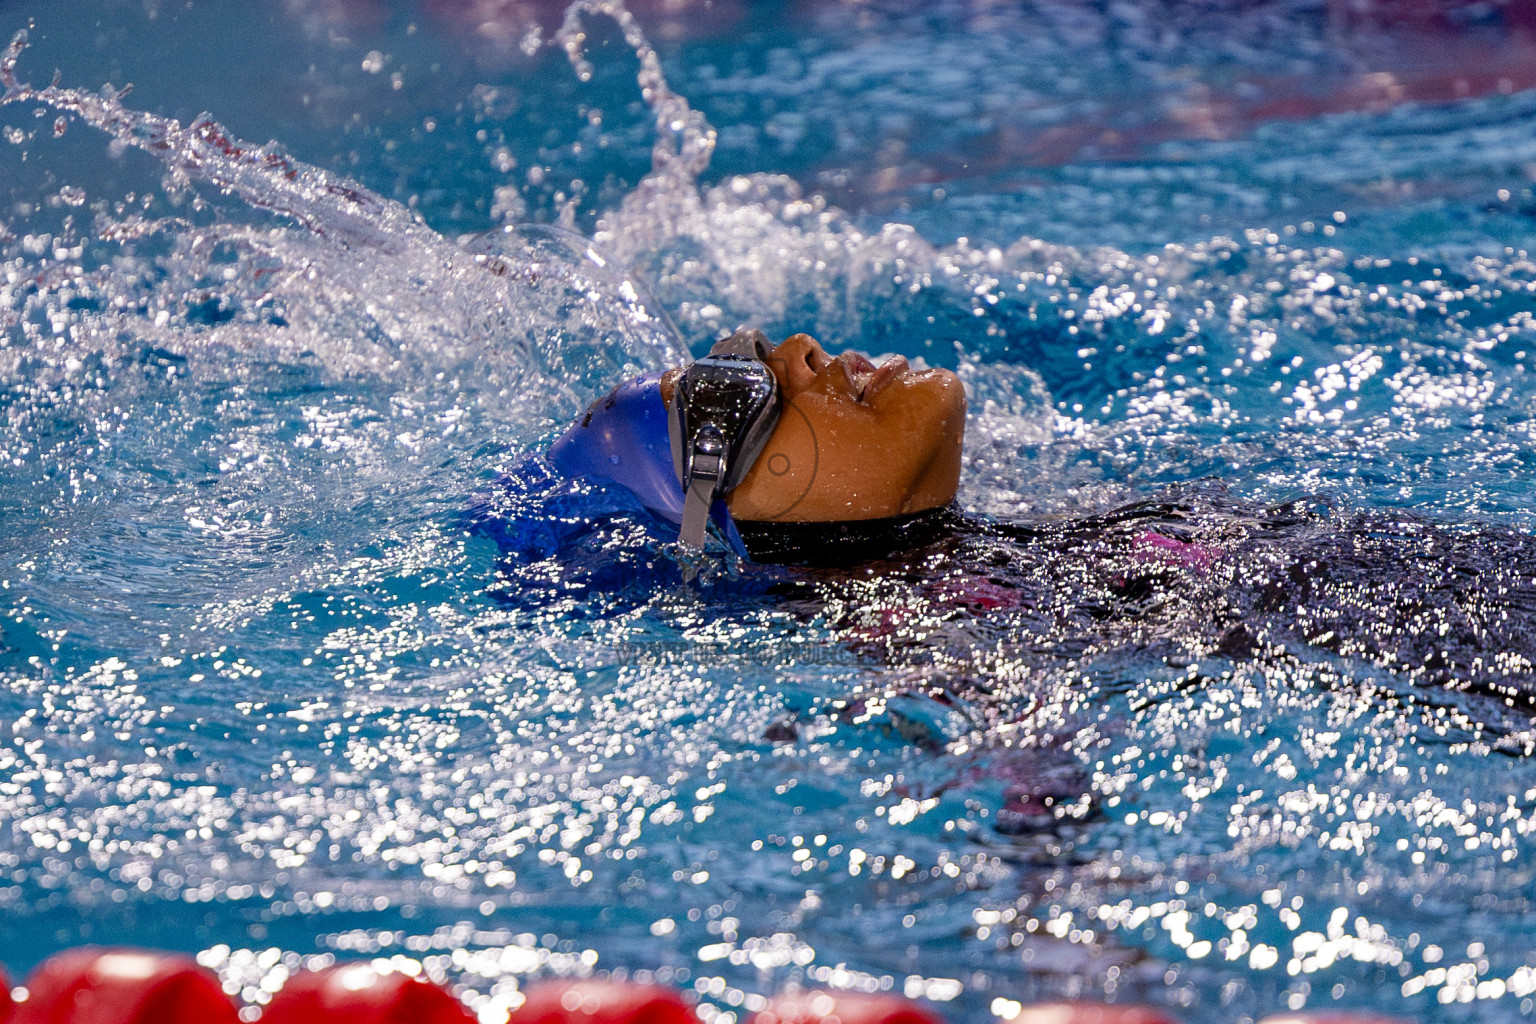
point(295, 666)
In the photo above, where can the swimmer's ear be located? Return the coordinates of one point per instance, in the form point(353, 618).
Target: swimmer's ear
point(668, 384)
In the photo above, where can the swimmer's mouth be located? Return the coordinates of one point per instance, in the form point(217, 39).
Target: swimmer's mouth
point(867, 378)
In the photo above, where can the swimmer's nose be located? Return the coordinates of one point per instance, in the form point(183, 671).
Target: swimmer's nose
point(797, 361)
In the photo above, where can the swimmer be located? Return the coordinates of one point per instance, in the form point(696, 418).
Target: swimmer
point(805, 459)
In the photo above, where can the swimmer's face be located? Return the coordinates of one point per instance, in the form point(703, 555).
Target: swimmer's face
point(854, 441)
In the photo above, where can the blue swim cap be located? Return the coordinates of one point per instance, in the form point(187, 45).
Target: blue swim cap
point(622, 438)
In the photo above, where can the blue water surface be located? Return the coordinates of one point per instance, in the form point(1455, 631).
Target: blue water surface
point(303, 657)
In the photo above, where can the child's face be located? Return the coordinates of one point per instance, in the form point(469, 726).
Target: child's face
point(854, 441)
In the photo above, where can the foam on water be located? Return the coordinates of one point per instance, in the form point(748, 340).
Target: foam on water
point(262, 696)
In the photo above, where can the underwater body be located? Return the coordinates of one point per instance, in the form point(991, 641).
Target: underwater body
point(1225, 704)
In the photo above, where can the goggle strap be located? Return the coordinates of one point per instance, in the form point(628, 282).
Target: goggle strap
point(701, 494)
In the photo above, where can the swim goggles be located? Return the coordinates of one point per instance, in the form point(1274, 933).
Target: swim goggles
point(682, 459)
point(723, 411)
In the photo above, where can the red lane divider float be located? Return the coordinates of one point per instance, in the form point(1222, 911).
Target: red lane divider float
point(358, 994)
point(602, 1002)
point(94, 986)
point(845, 1007)
point(115, 986)
point(1090, 1013)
